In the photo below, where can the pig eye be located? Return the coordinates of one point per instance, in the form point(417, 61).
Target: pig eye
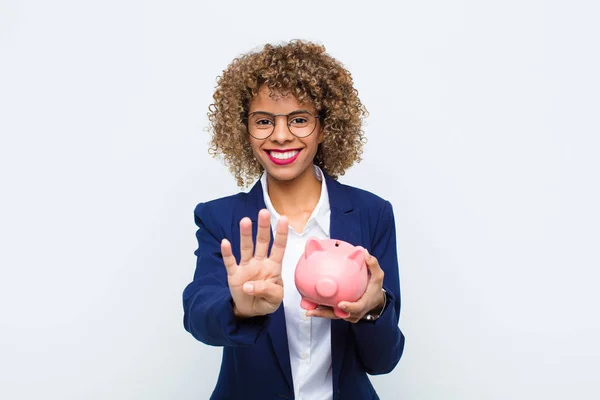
point(337, 244)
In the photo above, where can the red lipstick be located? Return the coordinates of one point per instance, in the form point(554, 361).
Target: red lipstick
point(279, 161)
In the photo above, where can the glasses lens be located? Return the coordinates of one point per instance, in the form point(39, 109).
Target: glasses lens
point(260, 125)
point(302, 123)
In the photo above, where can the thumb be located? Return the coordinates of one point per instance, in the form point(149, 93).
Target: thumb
point(371, 262)
point(269, 291)
point(368, 258)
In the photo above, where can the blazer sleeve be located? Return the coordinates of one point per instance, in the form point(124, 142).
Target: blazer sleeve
point(207, 302)
point(380, 343)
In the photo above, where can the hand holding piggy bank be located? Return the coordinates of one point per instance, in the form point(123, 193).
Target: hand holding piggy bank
point(331, 271)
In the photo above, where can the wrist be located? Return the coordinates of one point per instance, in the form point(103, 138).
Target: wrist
point(375, 313)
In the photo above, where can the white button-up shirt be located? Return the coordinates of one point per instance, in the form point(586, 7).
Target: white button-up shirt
point(309, 338)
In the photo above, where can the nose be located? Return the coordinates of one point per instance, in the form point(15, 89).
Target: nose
point(281, 132)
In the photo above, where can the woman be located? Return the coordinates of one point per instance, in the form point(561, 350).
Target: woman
point(289, 116)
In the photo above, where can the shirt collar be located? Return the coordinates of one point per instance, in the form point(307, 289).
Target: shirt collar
point(321, 212)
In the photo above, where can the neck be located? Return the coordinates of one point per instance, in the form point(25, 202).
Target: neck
point(298, 196)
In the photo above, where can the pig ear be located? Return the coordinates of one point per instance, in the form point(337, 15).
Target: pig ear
point(358, 255)
point(312, 245)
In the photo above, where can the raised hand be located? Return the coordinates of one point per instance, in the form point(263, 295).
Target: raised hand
point(255, 283)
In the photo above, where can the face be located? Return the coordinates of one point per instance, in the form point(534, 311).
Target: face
point(284, 156)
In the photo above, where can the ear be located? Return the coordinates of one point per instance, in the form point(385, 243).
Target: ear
point(321, 134)
point(312, 245)
point(358, 255)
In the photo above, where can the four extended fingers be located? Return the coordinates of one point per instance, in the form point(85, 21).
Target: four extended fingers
point(263, 238)
point(270, 292)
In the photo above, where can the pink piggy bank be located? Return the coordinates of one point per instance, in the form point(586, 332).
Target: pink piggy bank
point(331, 271)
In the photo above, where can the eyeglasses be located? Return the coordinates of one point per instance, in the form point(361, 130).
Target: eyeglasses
point(301, 123)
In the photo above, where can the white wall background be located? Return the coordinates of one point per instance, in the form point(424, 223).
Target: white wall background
point(484, 134)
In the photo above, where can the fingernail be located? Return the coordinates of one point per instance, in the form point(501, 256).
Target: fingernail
point(248, 287)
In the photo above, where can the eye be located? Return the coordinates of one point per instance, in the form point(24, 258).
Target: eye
point(298, 120)
point(263, 121)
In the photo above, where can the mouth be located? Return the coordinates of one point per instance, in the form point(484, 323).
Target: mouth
point(283, 157)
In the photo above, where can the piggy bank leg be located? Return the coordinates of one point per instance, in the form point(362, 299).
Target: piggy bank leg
point(307, 304)
point(339, 313)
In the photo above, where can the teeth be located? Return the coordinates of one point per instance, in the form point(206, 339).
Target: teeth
point(283, 156)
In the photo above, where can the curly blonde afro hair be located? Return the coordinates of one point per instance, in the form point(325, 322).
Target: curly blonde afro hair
point(304, 70)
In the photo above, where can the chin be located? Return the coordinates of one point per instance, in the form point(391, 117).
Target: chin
point(283, 175)
point(286, 174)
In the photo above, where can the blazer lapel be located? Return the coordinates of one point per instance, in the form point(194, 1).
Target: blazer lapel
point(277, 332)
point(345, 225)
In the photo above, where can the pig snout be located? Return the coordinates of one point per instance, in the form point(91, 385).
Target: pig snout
point(326, 287)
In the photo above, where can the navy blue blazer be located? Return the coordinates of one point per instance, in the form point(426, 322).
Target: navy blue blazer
point(256, 361)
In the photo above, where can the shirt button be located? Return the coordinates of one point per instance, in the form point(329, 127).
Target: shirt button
point(304, 356)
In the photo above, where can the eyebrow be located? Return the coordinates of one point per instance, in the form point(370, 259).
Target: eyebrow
point(293, 112)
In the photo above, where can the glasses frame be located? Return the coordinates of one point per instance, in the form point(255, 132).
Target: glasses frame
point(301, 111)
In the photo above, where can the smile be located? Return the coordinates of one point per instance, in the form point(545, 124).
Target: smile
point(283, 157)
